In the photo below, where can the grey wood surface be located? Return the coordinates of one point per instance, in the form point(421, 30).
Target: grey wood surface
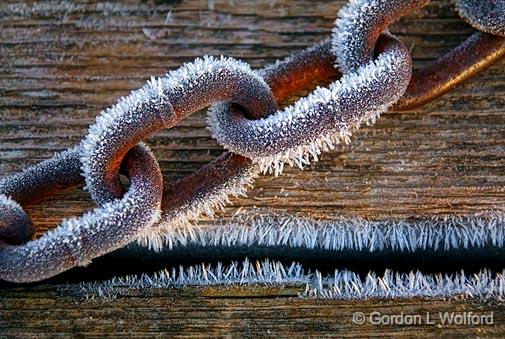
point(62, 62)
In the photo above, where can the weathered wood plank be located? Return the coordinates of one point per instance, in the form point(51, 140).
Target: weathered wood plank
point(230, 311)
point(63, 62)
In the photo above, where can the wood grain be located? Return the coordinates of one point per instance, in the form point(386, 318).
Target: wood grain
point(62, 62)
point(226, 311)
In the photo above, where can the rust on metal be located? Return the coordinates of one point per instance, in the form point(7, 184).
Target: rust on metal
point(474, 55)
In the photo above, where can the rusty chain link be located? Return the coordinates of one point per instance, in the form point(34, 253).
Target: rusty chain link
point(376, 75)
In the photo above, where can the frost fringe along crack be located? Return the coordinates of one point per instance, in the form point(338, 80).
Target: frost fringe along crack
point(341, 285)
point(440, 235)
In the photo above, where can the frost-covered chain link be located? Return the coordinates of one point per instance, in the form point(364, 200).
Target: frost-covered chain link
point(299, 133)
point(328, 116)
point(244, 118)
point(76, 241)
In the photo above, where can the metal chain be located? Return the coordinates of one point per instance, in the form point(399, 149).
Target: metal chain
point(75, 242)
point(245, 119)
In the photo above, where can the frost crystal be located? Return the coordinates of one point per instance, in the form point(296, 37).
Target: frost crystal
point(439, 234)
point(298, 134)
point(78, 240)
point(175, 218)
point(62, 170)
point(161, 103)
point(347, 234)
point(485, 15)
point(357, 24)
point(340, 285)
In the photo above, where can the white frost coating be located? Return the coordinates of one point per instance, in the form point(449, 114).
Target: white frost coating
point(6, 201)
point(485, 15)
point(61, 170)
point(265, 272)
point(357, 21)
point(126, 112)
point(175, 222)
point(344, 234)
point(484, 285)
point(299, 133)
point(189, 73)
point(154, 102)
point(341, 285)
point(348, 35)
point(78, 240)
point(191, 87)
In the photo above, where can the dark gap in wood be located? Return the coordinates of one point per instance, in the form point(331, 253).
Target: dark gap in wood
point(135, 260)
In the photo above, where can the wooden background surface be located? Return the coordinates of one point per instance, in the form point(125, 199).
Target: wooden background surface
point(62, 62)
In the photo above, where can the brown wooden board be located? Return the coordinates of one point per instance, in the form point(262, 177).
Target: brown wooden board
point(62, 62)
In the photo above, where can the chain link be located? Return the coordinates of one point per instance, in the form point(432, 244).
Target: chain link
point(245, 119)
point(75, 242)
